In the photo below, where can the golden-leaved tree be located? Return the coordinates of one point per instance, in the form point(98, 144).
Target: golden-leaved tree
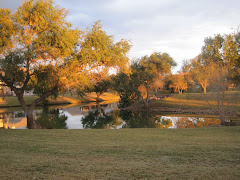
point(179, 83)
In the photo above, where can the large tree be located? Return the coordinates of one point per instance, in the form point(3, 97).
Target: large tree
point(153, 68)
point(40, 51)
point(34, 39)
point(201, 72)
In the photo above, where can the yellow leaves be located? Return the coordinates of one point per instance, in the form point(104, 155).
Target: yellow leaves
point(42, 25)
point(179, 83)
point(7, 29)
point(143, 90)
point(98, 49)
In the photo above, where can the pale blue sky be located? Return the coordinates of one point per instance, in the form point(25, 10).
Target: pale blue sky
point(172, 26)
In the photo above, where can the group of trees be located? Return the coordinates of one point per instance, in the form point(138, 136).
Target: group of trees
point(214, 69)
point(218, 65)
point(146, 74)
point(40, 51)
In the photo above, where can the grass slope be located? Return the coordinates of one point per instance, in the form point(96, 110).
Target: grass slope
point(67, 99)
point(204, 153)
point(191, 100)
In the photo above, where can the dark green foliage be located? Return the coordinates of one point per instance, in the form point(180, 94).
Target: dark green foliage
point(97, 119)
point(45, 78)
point(137, 119)
point(52, 119)
point(136, 85)
point(127, 88)
point(99, 87)
point(13, 66)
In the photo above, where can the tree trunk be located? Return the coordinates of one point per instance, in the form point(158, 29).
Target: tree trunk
point(98, 97)
point(204, 85)
point(30, 119)
point(29, 109)
point(156, 91)
point(147, 98)
point(204, 89)
point(180, 91)
point(223, 118)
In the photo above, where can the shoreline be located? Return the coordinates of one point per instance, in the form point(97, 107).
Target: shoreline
point(139, 107)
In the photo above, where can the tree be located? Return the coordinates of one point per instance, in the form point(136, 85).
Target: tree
point(143, 78)
point(126, 85)
point(179, 83)
point(200, 71)
point(232, 56)
point(40, 51)
point(153, 69)
point(37, 33)
point(100, 84)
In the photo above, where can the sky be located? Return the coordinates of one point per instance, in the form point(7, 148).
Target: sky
point(177, 27)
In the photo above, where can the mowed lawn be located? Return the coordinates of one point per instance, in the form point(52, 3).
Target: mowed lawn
point(200, 100)
point(204, 153)
point(108, 97)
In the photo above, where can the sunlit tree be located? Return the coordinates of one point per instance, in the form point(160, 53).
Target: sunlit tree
point(36, 37)
point(201, 72)
point(179, 83)
point(153, 69)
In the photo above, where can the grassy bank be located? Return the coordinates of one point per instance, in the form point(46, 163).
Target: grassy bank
point(205, 153)
point(192, 100)
point(193, 103)
point(66, 99)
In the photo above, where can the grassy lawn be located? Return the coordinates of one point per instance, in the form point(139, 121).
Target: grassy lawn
point(200, 100)
point(74, 99)
point(204, 153)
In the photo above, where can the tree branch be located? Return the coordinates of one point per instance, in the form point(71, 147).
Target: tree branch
point(44, 96)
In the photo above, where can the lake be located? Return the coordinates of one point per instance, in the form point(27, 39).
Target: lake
point(103, 116)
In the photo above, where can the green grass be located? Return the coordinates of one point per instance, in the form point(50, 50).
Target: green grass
point(66, 99)
point(204, 153)
point(200, 100)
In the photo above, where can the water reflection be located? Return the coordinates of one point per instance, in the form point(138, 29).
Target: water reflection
point(163, 122)
point(13, 120)
point(102, 117)
point(137, 120)
point(185, 122)
point(51, 119)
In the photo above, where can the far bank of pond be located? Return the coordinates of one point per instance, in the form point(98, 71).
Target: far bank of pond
point(104, 116)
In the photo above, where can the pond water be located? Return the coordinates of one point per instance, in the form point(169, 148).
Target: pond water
point(102, 116)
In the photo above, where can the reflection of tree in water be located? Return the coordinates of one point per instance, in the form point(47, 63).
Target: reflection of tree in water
point(99, 119)
point(137, 120)
point(186, 122)
point(51, 119)
point(163, 122)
